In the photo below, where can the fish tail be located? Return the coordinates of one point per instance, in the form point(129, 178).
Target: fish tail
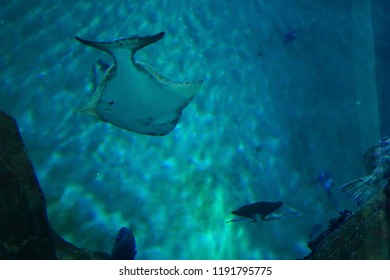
point(133, 43)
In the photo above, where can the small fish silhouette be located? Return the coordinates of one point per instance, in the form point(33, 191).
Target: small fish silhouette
point(262, 208)
point(325, 180)
point(289, 37)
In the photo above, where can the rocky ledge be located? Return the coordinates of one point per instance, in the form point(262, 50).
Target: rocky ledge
point(25, 232)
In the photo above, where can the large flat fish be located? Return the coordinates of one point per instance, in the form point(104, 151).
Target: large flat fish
point(134, 96)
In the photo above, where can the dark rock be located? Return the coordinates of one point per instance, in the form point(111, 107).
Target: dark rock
point(67, 251)
point(334, 224)
point(25, 232)
point(24, 227)
point(363, 235)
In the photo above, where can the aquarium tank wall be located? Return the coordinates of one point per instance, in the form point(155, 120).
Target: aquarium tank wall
point(292, 91)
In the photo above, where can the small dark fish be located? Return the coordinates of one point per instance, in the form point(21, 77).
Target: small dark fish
point(289, 37)
point(124, 246)
point(261, 208)
point(325, 179)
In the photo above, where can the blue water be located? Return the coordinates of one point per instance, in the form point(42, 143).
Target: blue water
point(270, 117)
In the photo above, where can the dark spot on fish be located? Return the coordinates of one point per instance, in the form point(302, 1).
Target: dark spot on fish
point(111, 103)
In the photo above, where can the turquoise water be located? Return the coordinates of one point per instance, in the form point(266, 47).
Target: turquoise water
point(270, 117)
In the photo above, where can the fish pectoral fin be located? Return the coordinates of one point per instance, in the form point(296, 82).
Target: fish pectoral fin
point(271, 217)
point(88, 110)
point(185, 90)
point(358, 189)
point(234, 220)
point(240, 220)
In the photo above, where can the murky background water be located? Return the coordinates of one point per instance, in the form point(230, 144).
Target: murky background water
point(272, 114)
